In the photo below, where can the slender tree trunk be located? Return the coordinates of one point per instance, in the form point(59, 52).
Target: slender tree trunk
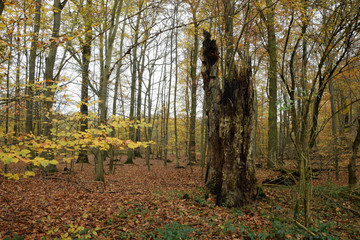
point(32, 66)
point(141, 69)
point(175, 91)
point(17, 97)
point(202, 139)
point(193, 92)
point(187, 110)
point(104, 81)
point(169, 95)
point(131, 153)
point(334, 128)
point(6, 140)
point(116, 90)
point(272, 71)
point(86, 57)
point(352, 164)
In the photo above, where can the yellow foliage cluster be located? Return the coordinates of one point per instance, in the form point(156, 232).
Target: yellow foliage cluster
point(65, 143)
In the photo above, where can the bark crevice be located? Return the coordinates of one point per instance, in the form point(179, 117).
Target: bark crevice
point(231, 173)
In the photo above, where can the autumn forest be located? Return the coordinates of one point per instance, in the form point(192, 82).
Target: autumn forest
point(179, 119)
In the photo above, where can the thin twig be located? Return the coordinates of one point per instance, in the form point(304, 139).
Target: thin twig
point(305, 228)
point(8, 203)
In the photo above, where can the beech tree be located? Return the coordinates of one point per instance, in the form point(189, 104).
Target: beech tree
point(352, 164)
point(86, 57)
point(50, 79)
point(32, 66)
point(272, 76)
point(194, 6)
point(104, 81)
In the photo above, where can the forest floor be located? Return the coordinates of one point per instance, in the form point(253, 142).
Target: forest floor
point(165, 203)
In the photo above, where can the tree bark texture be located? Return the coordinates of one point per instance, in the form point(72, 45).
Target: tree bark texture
point(231, 171)
point(194, 84)
point(272, 69)
point(32, 66)
point(131, 152)
point(86, 57)
point(352, 164)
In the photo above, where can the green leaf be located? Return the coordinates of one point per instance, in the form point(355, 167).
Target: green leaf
point(44, 163)
point(53, 162)
point(24, 152)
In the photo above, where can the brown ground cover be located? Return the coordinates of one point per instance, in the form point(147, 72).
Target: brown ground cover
point(164, 203)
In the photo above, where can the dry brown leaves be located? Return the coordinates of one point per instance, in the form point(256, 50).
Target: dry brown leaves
point(134, 203)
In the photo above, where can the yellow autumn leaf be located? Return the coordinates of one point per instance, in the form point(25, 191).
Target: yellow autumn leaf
point(29, 173)
point(11, 176)
point(15, 176)
point(132, 145)
point(44, 163)
point(53, 162)
point(68, 160)
point(7, 175)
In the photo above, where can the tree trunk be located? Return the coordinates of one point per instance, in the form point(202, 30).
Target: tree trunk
point(6, 139)
point(17, 96)
point(193, 94)
point(272, 71)
point(32, 66)
point(86, 56)
point(141, 69)
point(175, 90)
point(50, 78)
point(352, 164)
point(334, 128)
point(2, 5)
point(231, 173)
point(131, 153)
point(117, 85)
point(104, 81)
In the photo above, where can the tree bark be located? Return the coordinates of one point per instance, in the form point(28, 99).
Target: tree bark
point(194, 84)
point(334, 128)
point(116, 89)
point(131, 152)
point(32, 66)
point(2, 6)
point(104, 81)
point(86, 56)
point(272, 71)
point(352, 164)
point(175, 89)
point(49, 76)
point(231, 171)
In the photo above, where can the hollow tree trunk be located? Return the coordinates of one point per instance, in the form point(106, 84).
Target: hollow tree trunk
point(231, 173)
